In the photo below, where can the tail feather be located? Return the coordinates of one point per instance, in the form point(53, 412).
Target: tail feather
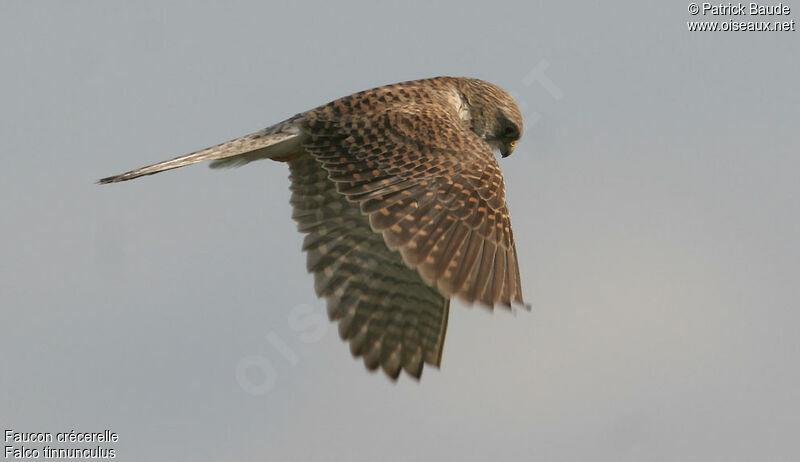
point(273, 142)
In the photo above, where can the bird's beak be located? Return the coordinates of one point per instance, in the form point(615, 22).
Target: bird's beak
point(506, 150)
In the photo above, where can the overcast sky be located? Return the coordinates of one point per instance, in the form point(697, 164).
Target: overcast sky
point(654, 199)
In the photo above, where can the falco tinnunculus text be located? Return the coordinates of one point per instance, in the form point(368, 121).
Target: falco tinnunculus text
point(403, 206)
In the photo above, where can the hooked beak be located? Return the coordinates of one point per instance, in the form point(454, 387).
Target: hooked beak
point(506, 150)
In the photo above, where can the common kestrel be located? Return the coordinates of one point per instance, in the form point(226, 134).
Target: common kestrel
point(403, 206)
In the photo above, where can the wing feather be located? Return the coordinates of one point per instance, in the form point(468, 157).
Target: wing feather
point(388, 314)
point(430, 186)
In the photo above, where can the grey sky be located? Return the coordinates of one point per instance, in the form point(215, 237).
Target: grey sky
point(654, 200)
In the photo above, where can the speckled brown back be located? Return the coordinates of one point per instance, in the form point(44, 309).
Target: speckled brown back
point(428, 183)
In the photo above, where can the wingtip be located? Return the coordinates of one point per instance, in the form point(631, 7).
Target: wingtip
point(520, 303)
point(510, 305)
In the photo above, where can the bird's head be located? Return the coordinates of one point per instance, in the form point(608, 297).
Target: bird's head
point(494, 114)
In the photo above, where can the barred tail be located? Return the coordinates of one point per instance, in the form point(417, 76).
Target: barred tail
point(280, 140)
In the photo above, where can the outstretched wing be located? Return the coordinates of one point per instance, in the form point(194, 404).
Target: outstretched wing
point(384, 309)
point(429, 185)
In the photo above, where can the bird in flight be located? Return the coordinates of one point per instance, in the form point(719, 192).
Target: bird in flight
point(402, 204)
